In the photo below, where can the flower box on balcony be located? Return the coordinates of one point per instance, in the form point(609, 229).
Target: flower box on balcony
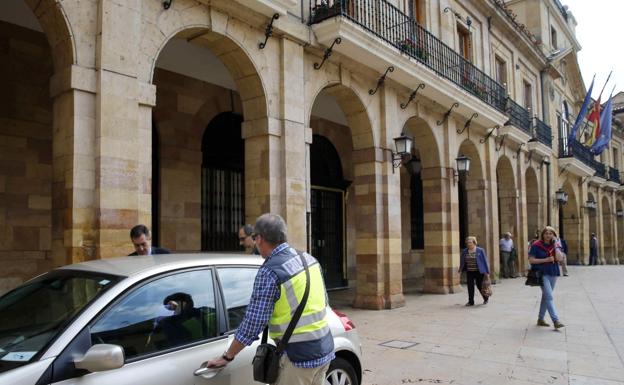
point(324, 9)
point(414, 49)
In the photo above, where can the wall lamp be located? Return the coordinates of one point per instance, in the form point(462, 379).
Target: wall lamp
point(403, 144)
point(561, 197)
point(590, 204)
point(463, 168)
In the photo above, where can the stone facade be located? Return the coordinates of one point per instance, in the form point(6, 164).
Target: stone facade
point(79, 114)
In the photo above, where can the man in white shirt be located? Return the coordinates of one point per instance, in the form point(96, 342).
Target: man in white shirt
point(506, 246)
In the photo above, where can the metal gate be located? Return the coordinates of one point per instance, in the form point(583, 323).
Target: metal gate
point(223, 208)
point(223, 183)
point(327, 243)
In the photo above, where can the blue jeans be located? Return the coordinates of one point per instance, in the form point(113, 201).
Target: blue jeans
point(548, 302)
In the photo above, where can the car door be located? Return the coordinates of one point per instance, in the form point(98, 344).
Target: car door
point(167, 326)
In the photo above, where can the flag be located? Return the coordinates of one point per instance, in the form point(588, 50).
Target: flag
point(605, 129)
point(582, 113)
point(593, 123)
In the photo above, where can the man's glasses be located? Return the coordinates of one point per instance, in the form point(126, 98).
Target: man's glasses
point(242, 238)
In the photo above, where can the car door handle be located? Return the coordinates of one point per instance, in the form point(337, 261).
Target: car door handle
point(207, 372)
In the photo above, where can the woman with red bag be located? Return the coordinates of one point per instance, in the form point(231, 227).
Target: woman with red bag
point(543, 257)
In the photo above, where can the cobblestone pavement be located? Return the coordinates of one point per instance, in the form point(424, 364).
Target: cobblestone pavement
point(436, 339)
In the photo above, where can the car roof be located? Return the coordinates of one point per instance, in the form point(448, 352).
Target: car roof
point(129, 266)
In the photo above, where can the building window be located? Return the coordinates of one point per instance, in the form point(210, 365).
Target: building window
point(416, 10)
point(553, 37)
point(501, 71)
point(615, 158)
point(528, 95)
point(464, 42)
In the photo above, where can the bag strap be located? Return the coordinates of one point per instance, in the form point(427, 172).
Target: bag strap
point(293, 322)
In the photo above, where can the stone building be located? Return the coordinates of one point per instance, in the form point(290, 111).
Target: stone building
point(190, 117)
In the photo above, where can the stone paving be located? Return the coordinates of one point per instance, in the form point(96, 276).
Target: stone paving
point(436, 339)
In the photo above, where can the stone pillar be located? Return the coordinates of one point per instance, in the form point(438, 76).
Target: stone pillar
point(74, 225)
point(294, 134)
point(584, 235)
point(122, 145)
point(263, 173)
point(600, 228)
point(521, 239)
point(441, 249)
point(378, 245)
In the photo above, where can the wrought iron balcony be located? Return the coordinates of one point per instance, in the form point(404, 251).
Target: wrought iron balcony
point(614, 175)
point(543, 132)
point(519, 117)
point(401, 31)
point(577, 150)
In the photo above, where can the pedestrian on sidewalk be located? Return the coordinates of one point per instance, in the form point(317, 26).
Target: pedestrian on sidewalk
point(593, 250)
point(543, 257)
point(506, 246)
point(474, 262)
point(562, 252)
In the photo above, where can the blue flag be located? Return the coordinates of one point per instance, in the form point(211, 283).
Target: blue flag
point(605, 129)
point(581, 115)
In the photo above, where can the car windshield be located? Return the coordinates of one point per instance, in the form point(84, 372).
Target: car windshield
point(32, 315)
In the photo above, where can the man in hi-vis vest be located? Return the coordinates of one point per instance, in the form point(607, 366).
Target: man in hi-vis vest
point(279, 284)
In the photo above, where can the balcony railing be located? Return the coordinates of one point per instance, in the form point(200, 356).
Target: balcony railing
point(614, 175)
point(401, 31)
point(543, 132)
point(519, 117)
point(577, 150)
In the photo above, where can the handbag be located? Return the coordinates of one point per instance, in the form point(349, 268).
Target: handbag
point(266, 360)
point(534, 278)
point(486, 287)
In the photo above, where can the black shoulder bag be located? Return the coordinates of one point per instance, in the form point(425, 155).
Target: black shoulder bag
point(266, 360)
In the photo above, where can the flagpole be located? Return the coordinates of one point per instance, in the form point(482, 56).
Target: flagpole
point(605, 85)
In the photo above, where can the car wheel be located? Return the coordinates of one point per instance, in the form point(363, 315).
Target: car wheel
point(340, 372)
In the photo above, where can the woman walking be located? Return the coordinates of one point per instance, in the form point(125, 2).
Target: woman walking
point(543, 257)
point(474, 262)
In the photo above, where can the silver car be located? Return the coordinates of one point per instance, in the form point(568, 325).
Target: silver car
point(141, 320)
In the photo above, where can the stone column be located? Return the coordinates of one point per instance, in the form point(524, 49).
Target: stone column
point(600, 228)
point(521, 239)
point(122, 145)
point(378, 245)
point(294, 134)
point(74, 227)
point(441, 251)
point(584, 235)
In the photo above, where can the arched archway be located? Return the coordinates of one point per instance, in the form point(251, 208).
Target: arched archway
point(507, 207)
point(608, 246)
point(570, 231)
point(213, 177)
point(339, 114)
point(327, 202)
point(420, 178)
point(533, 202)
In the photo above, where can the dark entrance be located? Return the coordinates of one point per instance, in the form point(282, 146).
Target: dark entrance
point(223, 183)
point(328, 219)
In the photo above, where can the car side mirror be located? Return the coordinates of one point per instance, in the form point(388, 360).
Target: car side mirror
point(101, 357)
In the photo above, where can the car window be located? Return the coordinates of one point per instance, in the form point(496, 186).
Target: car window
point(161, 314)
point(33, 314)
point(237, 284)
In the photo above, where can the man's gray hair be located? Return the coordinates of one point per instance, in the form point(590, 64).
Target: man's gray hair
point(272, 228)
point(247, 229)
